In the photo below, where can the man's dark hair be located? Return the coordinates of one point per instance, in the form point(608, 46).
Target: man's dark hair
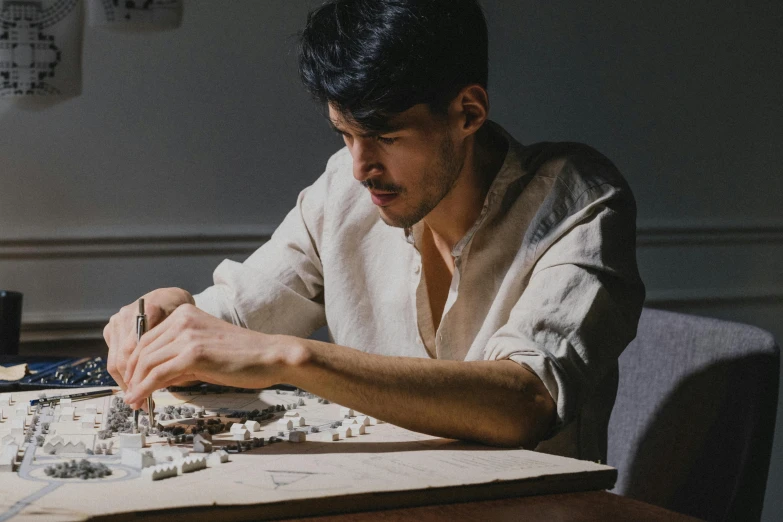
point(373, 59)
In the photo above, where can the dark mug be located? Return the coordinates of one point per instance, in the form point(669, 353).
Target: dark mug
point(10, 321)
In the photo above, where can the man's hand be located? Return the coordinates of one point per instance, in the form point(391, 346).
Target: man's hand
point(193, 345)
point(120, 333)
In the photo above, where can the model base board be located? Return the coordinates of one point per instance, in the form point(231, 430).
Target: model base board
point(253, 470)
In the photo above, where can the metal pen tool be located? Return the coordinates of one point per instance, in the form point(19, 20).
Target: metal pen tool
point(141, 329)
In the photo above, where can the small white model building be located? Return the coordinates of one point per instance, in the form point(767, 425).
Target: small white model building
point(291, 413)
point(358, 429)
point(345, 431)
point(363, 419)
point(252, 425)
point(191, 464)
point(285, 424)
point(66, 413)
point(66, 402)
point(201, 444)
point(297, 436)
point(88, 421)
point(5, 398)
point(21, 410)
point(217, 457)
point(161, 471)
point(91, 408)
point(132, 440)
point(374, 421)
point(17, 426)
point(137, 459)
point(67, 447)
point(299, 421)
point(8, 457)
point(330, 435)
point(1, 414)
point(346, 412)
point(239, 432)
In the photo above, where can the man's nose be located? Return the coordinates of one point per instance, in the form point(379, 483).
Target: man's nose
point(365, 160)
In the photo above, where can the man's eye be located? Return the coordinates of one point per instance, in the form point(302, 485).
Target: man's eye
point(386, 141)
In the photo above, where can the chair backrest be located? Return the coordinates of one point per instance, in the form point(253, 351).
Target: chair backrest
point(693, 422)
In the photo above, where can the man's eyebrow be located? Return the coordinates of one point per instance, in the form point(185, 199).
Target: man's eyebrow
point(372, 134)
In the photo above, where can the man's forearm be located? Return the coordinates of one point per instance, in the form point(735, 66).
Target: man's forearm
point(493, 402)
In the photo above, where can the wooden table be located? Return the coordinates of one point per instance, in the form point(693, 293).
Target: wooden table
point(592, 506)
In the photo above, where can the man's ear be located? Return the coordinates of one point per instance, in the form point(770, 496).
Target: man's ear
point(470, 108)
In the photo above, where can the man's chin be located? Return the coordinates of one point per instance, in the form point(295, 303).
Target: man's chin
point(397, 221)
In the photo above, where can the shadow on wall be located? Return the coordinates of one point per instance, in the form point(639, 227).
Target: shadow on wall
point(706, 450)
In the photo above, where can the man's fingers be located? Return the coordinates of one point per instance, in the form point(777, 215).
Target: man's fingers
point(112, 337)
point(150, 352)
point(166, 374)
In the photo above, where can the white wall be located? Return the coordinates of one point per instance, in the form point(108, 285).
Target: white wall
point(189, 146)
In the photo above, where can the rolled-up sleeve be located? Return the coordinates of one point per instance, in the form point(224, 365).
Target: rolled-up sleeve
point(582, 303)
point(279, 288)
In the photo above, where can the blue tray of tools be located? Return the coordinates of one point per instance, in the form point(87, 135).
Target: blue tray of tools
point(57, 372)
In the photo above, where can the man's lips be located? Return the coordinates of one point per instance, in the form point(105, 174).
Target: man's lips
point(382, 198)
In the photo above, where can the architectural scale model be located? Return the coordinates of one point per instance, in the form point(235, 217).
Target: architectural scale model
point(64, 459)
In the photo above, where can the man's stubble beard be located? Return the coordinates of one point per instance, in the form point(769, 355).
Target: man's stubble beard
point(435, 188)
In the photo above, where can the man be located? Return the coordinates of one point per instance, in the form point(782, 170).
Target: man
point(474, 288)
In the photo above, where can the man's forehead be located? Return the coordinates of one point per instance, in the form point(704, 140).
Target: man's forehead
point(405, 119)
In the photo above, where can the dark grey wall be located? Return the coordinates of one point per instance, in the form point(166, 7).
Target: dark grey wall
point(200, 138)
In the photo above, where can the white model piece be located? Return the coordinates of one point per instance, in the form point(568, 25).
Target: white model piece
point(217, 457)
point(291, 413)
point(285, 424)
point(21, 410)
point(88, 421)
point(252, 425)
point(239, 432)
point(68, 447)
point(297, 436)
point(1, 414)
point(164, 453)
point(8, 457)
point(161, 471)
point(201, 444)
point(329, 435)
point(345, 431)
point(66, 413)
point(132, 440)
point(17, 426)
point(91, 409)
point(8, 439)
point(358, 429)
point(299, 422)
point(346, 412)
point(137, 459)
point(363, 419)
point(374, 421)
point(5, 398)
point(191, 464)
point(66, 402)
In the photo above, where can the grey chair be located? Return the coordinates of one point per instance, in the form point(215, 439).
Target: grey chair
point(692, 425)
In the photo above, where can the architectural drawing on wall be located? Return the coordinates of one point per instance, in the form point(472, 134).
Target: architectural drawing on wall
point(40, 47)
point(136, 14)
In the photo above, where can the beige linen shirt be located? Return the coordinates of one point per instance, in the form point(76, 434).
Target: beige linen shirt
point(546, 277)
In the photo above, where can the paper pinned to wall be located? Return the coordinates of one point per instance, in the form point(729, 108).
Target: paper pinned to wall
point(136, 14)
point(40, 47)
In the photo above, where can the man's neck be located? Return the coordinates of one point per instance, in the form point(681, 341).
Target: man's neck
point(456, 213)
